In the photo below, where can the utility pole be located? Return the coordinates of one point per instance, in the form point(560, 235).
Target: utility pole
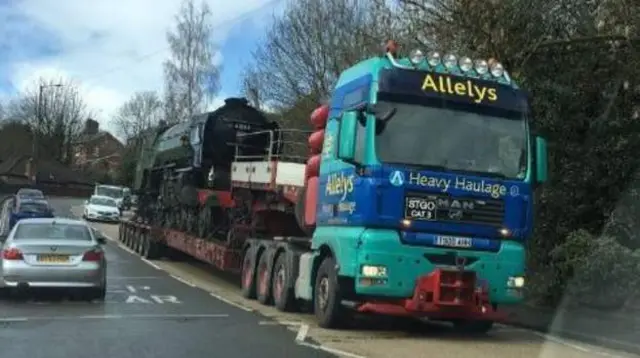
point(36, 129)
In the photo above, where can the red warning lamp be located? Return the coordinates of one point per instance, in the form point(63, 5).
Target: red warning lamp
point(391, 48)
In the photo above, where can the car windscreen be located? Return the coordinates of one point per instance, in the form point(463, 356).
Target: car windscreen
point(109, 191)
point(30, 193)
point(34, 208)
point(53, 231)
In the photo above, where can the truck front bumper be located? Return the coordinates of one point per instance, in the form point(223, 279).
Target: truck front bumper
point(442, 294)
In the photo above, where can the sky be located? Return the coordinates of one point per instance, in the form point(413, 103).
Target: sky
point(114, 48)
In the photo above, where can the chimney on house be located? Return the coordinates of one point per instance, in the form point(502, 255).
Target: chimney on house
point(91, 127)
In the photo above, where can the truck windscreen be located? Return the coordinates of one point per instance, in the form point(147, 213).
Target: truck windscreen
point(110, 192)
point(451, 136)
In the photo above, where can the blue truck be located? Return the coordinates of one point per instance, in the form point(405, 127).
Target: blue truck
point(417, 198)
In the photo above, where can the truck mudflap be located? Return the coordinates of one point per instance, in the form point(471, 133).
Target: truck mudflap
point(442, 295)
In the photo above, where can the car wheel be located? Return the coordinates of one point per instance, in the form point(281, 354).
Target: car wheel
point(98, 293)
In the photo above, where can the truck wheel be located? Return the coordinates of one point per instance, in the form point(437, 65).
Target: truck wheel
point(472, 327)
point(283, 297)
point(327, 298)
point(264, 280)
point(248, 277)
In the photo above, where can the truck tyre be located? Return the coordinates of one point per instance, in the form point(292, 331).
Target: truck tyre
point(327, 296)
point(264, 280)
point(248, 276)
point(473, 327)
point(283, 296)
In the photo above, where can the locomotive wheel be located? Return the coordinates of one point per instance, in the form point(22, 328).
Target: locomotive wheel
point(283, 297)
point(327, 296)
point(264, 280)
point(248, 276)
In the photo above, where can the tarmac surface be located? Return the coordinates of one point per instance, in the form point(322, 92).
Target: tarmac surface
point(147, 313)
point(180, 308)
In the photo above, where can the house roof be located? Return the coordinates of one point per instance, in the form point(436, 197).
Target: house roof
point(47, 170)
point(87, 138)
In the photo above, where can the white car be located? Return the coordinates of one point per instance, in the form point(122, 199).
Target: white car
point(101, 208)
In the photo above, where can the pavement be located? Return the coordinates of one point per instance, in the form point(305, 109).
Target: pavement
point(164, 308)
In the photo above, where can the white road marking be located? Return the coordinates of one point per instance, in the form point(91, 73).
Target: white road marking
point(573, 345)
point(131, 289)
point(136, 277)
point(137, 299)
point(331, 350)
point(107, 316)
point(229, 302)
point(151, 264)
point(279, 323)
point(165, 299)
point(182, 280)
point(302, 333)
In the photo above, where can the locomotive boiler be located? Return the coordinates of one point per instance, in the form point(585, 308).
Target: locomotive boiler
point(183, 173)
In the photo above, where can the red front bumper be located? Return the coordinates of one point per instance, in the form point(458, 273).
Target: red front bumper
point(443, 294)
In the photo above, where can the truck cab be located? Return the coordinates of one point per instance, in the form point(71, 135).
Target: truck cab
point(115, 192)
point(424, 191)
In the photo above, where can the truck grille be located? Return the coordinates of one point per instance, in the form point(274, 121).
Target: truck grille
point(445, 208)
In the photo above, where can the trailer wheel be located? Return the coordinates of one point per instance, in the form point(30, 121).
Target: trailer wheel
point(283, 297)
point(128, 239)
point(264, 280)
point(149, 249)
point(327, 298)
point(248, 276)
point(140, 243)
point(472, 327)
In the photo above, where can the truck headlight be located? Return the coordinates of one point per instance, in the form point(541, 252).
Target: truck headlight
point(515, 282)
point(373, 271)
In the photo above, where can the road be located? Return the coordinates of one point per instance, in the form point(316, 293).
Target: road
point(165, 308)
point(147, 313)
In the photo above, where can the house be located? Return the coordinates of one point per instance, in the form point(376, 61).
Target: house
point(97, 151)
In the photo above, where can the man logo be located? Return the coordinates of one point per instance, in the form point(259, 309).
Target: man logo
point(396, 178)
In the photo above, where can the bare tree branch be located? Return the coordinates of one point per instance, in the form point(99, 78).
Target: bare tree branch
point(142, 111)
point(191, 77)
point(62, 113)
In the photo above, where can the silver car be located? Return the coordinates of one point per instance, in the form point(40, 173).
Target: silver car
point(54, 253)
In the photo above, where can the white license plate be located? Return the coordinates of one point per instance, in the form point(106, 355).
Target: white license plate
point(451, 241)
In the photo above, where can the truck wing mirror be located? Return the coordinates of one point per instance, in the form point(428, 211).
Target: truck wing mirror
point(347, 137)
point(541, 160)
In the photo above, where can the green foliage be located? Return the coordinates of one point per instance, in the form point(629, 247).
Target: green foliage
point(599, 272)
point(580, 60)
point(127, 172)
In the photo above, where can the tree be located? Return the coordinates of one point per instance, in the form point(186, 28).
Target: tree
point(306, 49)
point(191, 77)
point(54, 111)
point(142, 111)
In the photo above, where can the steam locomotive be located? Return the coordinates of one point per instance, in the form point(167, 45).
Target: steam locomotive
point(183, 174)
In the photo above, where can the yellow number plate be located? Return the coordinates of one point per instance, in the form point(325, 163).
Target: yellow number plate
point(53, 258)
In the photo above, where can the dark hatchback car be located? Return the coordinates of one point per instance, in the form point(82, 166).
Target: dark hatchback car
point(27, 193)
point(27, 207)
